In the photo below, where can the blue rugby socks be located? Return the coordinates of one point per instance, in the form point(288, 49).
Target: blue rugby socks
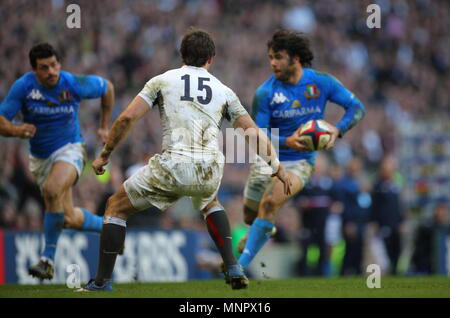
point(91, 222)
point(259, 234)
point(53, 225)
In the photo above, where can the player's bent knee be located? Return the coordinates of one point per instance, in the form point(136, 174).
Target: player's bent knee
point(72, 217)
point(119, 207)
point(111, 206)
point(210, 208)
point(214, 204)
point(69, 221)
point(268, 207)
point(51, 193)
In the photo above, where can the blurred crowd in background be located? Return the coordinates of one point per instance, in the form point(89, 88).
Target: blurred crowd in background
point(400, 72)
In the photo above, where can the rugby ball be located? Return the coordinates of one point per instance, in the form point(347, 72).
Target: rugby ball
point(315, 134)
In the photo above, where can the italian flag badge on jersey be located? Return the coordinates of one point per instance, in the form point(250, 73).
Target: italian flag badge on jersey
point(64, 96)
point(312, 91)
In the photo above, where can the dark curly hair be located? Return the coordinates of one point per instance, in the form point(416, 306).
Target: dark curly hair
point(295, 44)
point(197, 47)
point(41, 51)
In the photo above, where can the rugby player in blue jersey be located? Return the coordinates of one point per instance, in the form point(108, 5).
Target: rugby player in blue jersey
point(49, 100)
point(292, 96)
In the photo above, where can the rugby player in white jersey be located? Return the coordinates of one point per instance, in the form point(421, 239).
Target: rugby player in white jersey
point(192, 104)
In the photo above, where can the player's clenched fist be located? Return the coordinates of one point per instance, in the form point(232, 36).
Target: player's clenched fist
point(98, 165)
point(26, 131)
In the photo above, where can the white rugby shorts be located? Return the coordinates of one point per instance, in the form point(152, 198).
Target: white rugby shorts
point(168, 177)
point(73, 153)
point(260, 176)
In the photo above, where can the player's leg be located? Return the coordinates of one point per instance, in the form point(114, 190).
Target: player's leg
point(137, 193)
point(70, 161)
point(204, 198)
point(219, 230)
point(57, 193)
point(261, 229)
point(79, 218)
point(61, 177)
point(55, 176)
point(257, 182)
point(112, 239)
point(250, 214)
point(250, 210)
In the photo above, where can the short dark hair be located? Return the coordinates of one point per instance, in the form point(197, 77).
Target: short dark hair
point(41, 51)
point(295, 44)
point(197, 47)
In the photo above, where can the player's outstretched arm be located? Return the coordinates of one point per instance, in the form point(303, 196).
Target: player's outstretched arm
point(119, 131)
point(8, 129)
point(264, 148)
point(107, 104)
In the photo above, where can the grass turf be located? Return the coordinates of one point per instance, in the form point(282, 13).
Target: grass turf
point(398, 287)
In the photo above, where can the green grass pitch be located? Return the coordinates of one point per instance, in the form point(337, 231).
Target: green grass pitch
point(355, 287)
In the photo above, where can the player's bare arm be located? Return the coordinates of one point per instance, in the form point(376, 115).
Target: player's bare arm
point(268, 154)
point(107, 104)
point(119, 130)
point(8, 129)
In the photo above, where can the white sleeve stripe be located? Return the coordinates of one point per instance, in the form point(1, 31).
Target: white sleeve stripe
point(149, 102)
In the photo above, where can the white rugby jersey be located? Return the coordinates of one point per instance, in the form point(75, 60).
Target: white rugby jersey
point(192, 104)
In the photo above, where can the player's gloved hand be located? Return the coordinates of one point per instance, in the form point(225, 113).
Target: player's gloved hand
point(294, 142)
point(26, 131)
point(284, 177)
point(98, 165)
point(103, 134)
point(334, 134)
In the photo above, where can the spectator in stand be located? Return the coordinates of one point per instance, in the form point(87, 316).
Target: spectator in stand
point(386, 210)
point(355, 216)
point(313, 204)
point(425, 258)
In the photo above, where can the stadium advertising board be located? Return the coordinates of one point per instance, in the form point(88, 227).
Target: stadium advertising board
point(149, 255)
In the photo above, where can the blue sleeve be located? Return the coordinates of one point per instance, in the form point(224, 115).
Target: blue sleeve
point(90, 86)
point(261, 114)
point(13, 102)
point(354, 109)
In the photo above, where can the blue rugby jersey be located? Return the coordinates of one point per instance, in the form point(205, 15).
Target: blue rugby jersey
point(285, 106)
point(53, 111)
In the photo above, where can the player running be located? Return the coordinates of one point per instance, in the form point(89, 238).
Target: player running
point(287, 100)
point(192, 104)
point(49, 100)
